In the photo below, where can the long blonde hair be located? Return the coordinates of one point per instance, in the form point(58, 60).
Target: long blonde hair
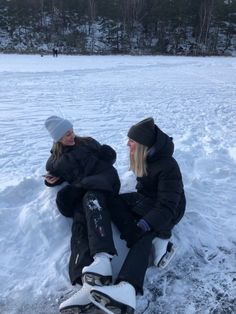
point(57, 147)
point(138, 160)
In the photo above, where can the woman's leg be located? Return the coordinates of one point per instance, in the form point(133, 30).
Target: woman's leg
point(80, 252)
point(124, 218)
point(133, 271)
point(80, 257)
point(100, 238)
point(98, 221)
point(91, 245)
point(68, 199)
point(129, 282)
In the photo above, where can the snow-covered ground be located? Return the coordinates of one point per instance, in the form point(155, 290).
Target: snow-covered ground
point(192, 99)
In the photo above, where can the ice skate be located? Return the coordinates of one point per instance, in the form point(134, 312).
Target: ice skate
point(79, 302)
point(163, 252)
point(99, 272)
point(115, 299)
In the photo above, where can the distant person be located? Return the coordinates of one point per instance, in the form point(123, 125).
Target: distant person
point(87, 167)
point(146, 217)
point(54, 52)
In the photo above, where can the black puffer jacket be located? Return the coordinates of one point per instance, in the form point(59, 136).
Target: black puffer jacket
point(87, 164)
point(163, 185)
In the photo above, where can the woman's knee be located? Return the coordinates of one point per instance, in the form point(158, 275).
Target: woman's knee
point(94, 199)
point(66, 200)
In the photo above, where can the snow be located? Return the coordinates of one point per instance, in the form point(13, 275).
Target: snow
point(192, 99)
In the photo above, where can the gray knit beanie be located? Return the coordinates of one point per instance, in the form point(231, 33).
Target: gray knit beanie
point(57, 127)
point(143, 132)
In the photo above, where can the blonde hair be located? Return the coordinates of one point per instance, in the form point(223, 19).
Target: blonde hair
point(57, 150)
point(138, 160)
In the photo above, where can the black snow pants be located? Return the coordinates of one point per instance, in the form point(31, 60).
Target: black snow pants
point(125, 211)
point(91, 233)
point(91, 230)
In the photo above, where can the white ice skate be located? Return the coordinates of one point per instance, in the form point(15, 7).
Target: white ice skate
point(80, 301)
point(99, 272)
point(120, 298)
point(163, 252)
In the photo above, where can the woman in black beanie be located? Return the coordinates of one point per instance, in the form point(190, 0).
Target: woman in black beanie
point(145, 218)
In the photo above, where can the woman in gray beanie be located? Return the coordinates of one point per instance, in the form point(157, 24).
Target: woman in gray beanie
point(87, 167)
point(144, 218)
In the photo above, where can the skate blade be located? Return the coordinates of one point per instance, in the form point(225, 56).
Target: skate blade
point(76, 310)
point(96, 280)
point(166, 259)
point(92, 309)
point(108, 305)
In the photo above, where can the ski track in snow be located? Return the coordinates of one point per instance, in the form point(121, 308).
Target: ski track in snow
point(192, 99)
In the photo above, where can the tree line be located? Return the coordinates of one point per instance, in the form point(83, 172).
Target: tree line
point(122, 26)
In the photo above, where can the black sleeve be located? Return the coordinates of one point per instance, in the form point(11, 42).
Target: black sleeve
point(49, 164)
point(103, 152)
point(94, 145)
point(108, 154)
point(50, 167)
point(169, 193)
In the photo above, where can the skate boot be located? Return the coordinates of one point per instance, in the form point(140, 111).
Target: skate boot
point(79, 302)
point(99, 272)
point(118, 299)
point(163, 252)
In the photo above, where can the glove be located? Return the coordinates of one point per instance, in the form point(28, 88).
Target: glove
point(143, 225)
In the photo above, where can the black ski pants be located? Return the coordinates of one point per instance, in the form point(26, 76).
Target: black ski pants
point(125, 211)
point(91, 229)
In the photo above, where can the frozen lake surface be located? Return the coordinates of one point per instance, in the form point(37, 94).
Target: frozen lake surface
point(191, 99)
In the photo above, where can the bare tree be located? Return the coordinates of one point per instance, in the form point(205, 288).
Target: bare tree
point(205, 14)
point(92, 11)
point(92, 14)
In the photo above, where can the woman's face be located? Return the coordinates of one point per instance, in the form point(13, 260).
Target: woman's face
point(68, 139)
point(132, 146)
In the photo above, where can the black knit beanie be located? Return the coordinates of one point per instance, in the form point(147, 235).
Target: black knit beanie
point(143, 132)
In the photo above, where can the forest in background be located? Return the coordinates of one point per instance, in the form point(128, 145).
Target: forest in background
point(178, 27)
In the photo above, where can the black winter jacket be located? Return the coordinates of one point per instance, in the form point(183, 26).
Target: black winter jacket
point(163, 185)
point(87, 164)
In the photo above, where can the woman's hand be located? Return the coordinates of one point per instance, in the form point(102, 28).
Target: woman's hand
point(51, 179)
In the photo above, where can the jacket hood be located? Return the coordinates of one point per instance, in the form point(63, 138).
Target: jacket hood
point(163, 146)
